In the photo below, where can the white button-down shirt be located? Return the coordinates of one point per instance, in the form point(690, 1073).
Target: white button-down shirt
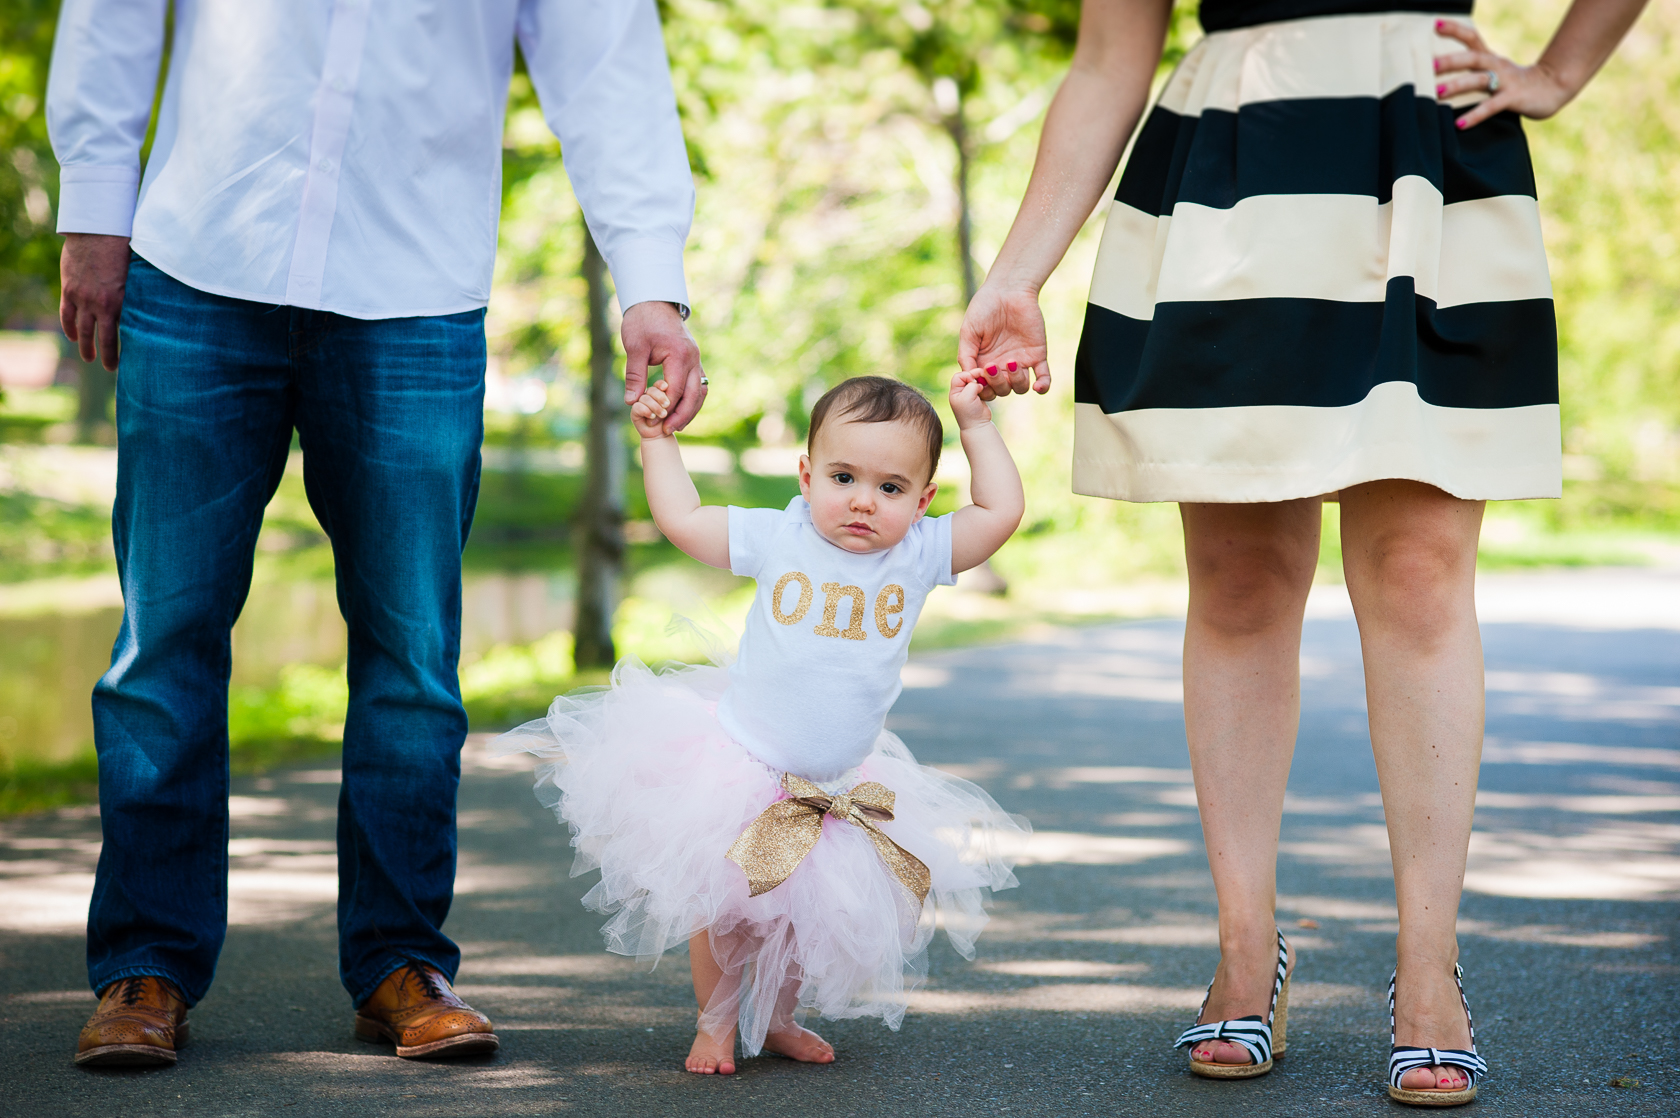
point(345, 155)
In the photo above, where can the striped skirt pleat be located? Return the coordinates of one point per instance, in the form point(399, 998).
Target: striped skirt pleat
point(1310, 278)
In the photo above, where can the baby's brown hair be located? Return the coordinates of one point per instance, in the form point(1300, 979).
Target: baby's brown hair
point(880, 400)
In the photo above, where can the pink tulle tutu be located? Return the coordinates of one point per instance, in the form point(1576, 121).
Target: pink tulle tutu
point(655, 792)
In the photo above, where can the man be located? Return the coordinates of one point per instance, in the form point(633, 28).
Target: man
point(311, 248)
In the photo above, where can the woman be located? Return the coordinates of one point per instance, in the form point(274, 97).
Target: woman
point(1322, 273)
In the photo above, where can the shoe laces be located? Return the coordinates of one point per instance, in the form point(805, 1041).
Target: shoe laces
point(132, 988)
point(431, 983)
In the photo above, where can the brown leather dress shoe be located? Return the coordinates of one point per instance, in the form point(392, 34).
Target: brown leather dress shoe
point(416, 1010)
point(140, 1020)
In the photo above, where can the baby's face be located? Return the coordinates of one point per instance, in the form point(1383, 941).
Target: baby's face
point(867, 483)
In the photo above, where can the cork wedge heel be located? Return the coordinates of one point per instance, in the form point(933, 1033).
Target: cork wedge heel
point(1265, 1040)
point(1405, 1058)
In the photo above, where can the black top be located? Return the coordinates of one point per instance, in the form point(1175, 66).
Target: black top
point(1223, 15)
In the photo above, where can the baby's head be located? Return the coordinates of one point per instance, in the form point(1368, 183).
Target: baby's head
point(869, 462)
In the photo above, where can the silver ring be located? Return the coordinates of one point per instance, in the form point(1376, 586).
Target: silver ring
point(704, 381)
point(1493, 82)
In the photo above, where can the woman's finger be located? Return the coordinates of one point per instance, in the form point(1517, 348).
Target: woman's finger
point(1491, 107)
point(1463, 32)
point(1476, 81)
point(1467, 60)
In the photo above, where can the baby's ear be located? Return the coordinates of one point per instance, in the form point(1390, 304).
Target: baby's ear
point(927, 498)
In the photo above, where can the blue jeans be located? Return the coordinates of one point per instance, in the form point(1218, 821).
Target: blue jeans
point(390, 417)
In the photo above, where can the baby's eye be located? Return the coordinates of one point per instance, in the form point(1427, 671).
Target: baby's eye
point(889, 488)
point(843, 478)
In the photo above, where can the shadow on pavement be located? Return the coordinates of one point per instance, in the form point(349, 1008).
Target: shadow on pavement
point(1085, 976)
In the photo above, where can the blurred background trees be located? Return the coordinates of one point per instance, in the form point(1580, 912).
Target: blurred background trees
point(858, 163)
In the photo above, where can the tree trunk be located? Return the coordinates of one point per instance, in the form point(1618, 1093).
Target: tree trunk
point(600, 528)
point(957, 125)
point(982, 579)
point(95, 385)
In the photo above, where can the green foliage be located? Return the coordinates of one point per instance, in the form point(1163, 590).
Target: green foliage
point(40, 537)
point(28, 171)
point(1608, 167)
point(307, 705)
point(28, 784)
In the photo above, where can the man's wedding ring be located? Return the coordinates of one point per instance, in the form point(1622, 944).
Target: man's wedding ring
point(704, 381)
point(1493, 82)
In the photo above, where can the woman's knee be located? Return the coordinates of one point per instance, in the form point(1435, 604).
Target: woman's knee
point(1417, 582)
point(1250, 569)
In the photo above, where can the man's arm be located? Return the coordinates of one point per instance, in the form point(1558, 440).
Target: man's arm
point(605, 87)
point(99, 101)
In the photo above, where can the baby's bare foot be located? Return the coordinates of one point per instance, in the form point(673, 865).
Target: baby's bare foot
point(800, 1044)
point(711, 1056)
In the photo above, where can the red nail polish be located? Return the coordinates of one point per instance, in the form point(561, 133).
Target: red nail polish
point(991, 370)
point(1459, 123)
point(1440, 91)
point(1013, 366)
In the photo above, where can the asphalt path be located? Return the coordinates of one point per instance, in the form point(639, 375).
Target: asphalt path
point(1088, 970)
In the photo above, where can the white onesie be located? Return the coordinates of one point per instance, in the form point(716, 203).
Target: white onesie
point(828, 632)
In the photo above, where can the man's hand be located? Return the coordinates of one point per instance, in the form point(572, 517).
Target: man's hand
point(93, 270)
point(654, 334)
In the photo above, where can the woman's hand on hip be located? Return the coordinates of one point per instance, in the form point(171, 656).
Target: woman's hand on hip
point(1589, 33)
point(1003, 335)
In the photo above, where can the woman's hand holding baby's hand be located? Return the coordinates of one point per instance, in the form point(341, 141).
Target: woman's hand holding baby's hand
point(648, 413)
point(1003, 333)
point(969, 391)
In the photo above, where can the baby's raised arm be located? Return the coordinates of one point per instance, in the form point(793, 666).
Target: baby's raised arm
point(699, 531)
point(979, 529)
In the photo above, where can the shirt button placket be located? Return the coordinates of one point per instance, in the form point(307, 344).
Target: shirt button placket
point(334, 98)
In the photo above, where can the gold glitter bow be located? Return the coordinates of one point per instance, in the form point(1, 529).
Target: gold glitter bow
point(774, 844)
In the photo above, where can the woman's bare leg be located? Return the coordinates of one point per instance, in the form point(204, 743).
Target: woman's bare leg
point(1250, 569)
point(709, 1054)
point(1410, 555)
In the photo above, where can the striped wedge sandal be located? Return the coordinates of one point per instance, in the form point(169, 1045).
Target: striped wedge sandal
point(1265, 1040)
point(1404, 1058)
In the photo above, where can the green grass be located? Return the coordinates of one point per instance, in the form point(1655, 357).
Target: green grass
point(27, 413)
point(42, 538)
point(524, 524)
point(28, 785)
point(32, 786)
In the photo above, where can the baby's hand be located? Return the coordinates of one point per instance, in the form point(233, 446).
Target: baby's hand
point(967, 403)
point(648, 413)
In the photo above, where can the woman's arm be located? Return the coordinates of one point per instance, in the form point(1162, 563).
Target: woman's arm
point(1588, 35)
point(979, 529)
point(699, 531)
point(1085, 132)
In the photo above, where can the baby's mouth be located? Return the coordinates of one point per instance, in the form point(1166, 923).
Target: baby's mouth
point(859, 528)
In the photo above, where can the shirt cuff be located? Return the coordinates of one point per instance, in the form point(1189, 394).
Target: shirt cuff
point(645, 270)
point(97, 200)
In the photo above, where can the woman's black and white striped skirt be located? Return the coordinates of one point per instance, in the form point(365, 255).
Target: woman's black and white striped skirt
point(1311, 278)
